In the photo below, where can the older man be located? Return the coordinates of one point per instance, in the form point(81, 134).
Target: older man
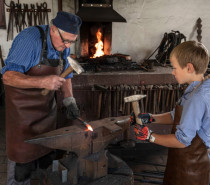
point(36, 59)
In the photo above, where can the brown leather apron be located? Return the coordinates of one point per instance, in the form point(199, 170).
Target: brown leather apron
point(28, 114)
point(187, 166)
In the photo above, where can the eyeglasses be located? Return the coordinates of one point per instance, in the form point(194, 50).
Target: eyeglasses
point(65, 41)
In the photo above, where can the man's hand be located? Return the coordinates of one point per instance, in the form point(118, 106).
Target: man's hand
point(145, 118)
point(142, 132)
point(72, 111)
point(52, 82)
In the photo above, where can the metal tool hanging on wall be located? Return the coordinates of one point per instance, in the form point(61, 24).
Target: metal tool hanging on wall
point(199, 30)
point(159, 98)
point(20, 16)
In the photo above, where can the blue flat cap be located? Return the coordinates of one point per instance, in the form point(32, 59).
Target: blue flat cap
point(67, 22)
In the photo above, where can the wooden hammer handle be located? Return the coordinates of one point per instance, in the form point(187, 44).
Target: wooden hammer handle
point(136, 110)
point(67, 72)
point(44, 92)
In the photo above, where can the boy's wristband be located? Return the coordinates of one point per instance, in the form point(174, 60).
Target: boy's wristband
point(152, 138)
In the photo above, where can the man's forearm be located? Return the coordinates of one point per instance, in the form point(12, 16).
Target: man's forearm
point(168, 140)
point(67, 88)
point(19, 80)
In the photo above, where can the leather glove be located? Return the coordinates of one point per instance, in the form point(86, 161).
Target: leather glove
point(145, 118)
point(142, 132)
point(132, 120)
point(72, 111)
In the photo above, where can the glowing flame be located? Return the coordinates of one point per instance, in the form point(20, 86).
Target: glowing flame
point(89, 127)
point(99, 45)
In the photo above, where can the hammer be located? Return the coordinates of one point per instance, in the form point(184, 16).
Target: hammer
point(135, 105)
point(74, 66)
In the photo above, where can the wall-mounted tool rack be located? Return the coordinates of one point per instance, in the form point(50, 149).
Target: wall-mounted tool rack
point(25, 15)
point(29, 10)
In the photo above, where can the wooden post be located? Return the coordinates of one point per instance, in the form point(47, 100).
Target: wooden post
point(60, 5)
point(2, 15)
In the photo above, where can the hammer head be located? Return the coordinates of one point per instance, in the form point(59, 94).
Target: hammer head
point(133, 98)
point(75, 65)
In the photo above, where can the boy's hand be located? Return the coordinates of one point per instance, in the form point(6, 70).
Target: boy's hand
point(145, 118)
point(132, 120)
point(142, 132)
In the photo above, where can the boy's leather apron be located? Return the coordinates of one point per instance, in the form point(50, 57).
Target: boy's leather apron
point(187, 166)
point(28, 113)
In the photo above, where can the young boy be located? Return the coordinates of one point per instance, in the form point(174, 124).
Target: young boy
point(188, 160)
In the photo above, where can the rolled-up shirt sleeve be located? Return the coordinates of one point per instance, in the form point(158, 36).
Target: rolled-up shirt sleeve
point(191, 119)
point(21, 56)
point(13, 67)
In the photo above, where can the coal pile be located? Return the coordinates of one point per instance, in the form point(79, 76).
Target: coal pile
point(108, 63)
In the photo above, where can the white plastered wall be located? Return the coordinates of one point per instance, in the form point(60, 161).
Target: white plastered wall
point(147, 21)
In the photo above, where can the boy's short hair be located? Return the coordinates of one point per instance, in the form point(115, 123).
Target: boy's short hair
point(192, 52)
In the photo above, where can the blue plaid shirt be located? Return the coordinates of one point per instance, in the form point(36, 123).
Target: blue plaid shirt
point(195, 115)
point(26, 49)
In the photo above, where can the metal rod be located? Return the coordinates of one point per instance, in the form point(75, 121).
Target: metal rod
point(143, 162)
point(155, 172)
point(148, 181)
point(82, 121)
point(85, 123)
point(160, 176)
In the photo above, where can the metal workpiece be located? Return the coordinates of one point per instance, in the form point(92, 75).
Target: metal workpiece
point(83, 142)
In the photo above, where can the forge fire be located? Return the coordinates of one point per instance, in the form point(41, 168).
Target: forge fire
point(99, 45)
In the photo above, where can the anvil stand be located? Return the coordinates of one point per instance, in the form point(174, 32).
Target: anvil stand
point(88, 162)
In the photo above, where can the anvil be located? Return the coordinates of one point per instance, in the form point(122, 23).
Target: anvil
point(92, 160)
point(83, 142)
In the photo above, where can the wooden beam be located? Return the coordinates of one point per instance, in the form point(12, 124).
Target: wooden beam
point(60, 5)
point(2, 15)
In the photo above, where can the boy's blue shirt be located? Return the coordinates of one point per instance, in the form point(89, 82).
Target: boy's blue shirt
point(26, 49)
point(195, 115)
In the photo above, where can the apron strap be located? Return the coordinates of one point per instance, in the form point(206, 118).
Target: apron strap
point(61, 61)
point(44, 42)
point(51, 62)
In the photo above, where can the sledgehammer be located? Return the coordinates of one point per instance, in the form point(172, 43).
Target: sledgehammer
point(74, 66)
point(135, 105)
